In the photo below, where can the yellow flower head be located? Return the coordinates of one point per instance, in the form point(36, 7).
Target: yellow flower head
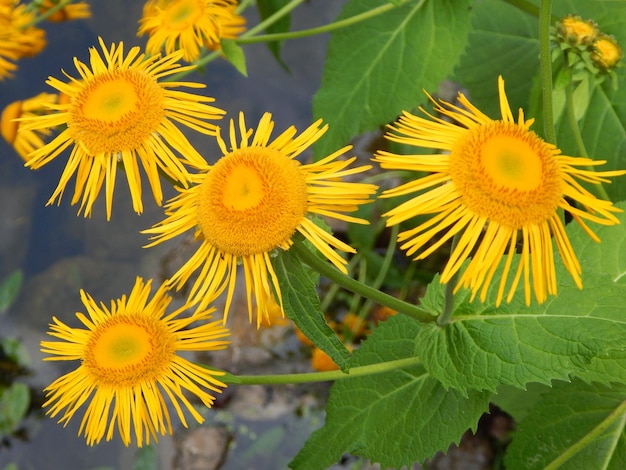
point(69, 12)
point(606, 52)
point(189, 25)
point(129, 364)
point(251, 202)
point(25, 141)
point(574, 31)
point(118, 111)
point(498, 187)
point(17, 39)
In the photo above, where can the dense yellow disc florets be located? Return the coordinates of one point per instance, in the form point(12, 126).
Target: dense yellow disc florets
point(506, 174)
point(606, 52)
point(125, 351)
point(575, 31)
point(252, 201)
point(117, 110)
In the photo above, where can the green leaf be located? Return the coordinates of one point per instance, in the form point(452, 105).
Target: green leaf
point(578, 332)
point(503, 42)
point(234, 54)
point(301, 304)
point(396, 417)
point(266, 9)
point(9, 288)
point(608, 256)
point(14, 402)
point(376, 68)
point(580, 424)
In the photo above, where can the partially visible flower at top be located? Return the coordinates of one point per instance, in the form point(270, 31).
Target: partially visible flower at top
point(129, 363)
point(26, 141)
point(189, 25)
point(499, 188)
point(573, 30)
point(121, 111)
point(69, 11)
point(606, 52)
point(17, 38)
point(252, 202)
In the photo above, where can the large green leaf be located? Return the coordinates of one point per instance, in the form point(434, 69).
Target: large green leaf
point(376, 68)
point(561, 426)
point(503, 42)
point(580, 332)
point(396, 417)
point(302, 305)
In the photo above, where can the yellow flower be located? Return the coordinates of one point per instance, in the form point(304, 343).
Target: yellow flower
point(251, 202)
point(25, 141)
point(606, 52)
point(574, 31)
point(189, 25)
point(17, 39)
point(119, 112)
point(70, 11)
point(498, 188)
point(129, 364)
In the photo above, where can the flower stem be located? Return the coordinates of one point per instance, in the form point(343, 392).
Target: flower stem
point(619, 412)
point(42, 16)
point(578, 138)
point(545, 61)
point(332, 273)
point(277, 379)
point(448, 299)
point(246, 39)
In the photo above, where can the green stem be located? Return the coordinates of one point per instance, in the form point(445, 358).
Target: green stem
point(448, 299)
point(319, 29)
point(332, 273)
point(620, 411)
point(578, 138)
point(545, 61)
point(377, 368)
point(42, 16)
point(384, 268)
point(204, 60)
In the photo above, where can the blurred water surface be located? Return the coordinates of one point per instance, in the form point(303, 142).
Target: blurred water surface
point(60, 253)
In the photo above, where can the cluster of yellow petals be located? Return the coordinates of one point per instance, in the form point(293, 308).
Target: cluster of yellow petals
point(68, 12)
point(17, 39)
point(189, 25)
point(129, 364)
point(252, 202)
point(120, 110)
point(497, 187)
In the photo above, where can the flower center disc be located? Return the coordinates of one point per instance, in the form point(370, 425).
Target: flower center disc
point(126, 350)
point(182, 14)
point(252, 201)
point(117, 110)
point(507, 174)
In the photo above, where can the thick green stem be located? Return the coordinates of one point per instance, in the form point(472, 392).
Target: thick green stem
point(448, 299)
point(320, 376)
point(619, 412)
point(545, 61)
point(326, 269)
point(578, 138)
point(246, 39)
